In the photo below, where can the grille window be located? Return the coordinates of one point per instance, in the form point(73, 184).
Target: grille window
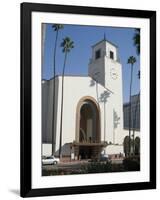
point(111, 55)
point(98, 54)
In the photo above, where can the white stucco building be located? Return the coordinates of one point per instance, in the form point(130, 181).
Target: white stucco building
point(92, 108)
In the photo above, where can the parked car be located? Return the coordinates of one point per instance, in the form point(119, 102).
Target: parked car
point(48, 160)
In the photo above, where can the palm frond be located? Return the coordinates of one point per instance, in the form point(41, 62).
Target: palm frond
point(131, 60)
point(56, 27)
point(136, 40)
point(67, 44)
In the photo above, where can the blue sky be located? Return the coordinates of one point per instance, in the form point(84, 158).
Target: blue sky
point(84, 37)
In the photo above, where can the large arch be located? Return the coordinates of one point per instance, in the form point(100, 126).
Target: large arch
point(88, 106)
point(88, 130)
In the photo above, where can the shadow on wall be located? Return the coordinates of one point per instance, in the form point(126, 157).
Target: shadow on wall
point(92, 83)
point(104, 96)
point(116, 119)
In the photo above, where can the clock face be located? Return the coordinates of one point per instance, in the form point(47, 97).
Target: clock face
point(113, 73)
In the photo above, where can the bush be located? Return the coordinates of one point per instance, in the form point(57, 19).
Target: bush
point(50, 173)
point(97, 167)
point(117, 168)
point(131, 164)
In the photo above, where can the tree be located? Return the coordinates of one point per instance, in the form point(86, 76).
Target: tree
point(67, 45)
point(131, 60)
point(137, 146)
point(126, 145)
point(56, 28)
point(135, 114)
point(136, 40)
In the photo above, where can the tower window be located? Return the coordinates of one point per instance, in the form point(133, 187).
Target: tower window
point(111, 55)
point(98, 54)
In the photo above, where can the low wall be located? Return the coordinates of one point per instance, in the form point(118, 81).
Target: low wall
point(114, 149)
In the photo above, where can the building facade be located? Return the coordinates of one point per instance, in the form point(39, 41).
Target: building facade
point(92, 120)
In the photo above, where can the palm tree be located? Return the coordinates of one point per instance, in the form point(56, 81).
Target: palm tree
point(56, 28)
point(126, 145)
point(67, 45)
point(135, 115)
point(131, 60)
point(136, 39)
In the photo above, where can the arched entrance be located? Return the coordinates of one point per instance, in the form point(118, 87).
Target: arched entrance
point(89, 122)
point(88, 135)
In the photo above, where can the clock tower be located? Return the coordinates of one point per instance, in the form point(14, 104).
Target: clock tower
point(105, 66)
point(106, 69)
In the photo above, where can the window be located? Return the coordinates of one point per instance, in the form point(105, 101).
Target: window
point(49, 157)
point(98, 54)
point(111, 55)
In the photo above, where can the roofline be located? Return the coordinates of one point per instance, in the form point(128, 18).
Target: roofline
point(105, 41)
point(126, 103)
point(58, 75)
point(84, 76)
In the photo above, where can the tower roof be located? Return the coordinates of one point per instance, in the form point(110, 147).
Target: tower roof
point(104, 40)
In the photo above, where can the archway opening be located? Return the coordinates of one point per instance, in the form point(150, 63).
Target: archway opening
point(88, 129)
point(88, 143)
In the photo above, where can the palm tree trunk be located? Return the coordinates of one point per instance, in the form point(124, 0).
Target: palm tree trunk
point(53, 112)
point(104, 121)
point(60, 140)
point(130, 111)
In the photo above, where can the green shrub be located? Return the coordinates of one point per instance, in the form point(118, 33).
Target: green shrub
point(97, 167)
point(131, 164)
point(117, 168)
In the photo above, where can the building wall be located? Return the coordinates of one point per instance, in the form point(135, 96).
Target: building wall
point(113, 48)
point(45, 94)
point(74, 89)
point(47, 109)
point(46, 149)
point(95, 72)
point(108, 72)
point(104, 85)
point(135, 113)
point(116, 86)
